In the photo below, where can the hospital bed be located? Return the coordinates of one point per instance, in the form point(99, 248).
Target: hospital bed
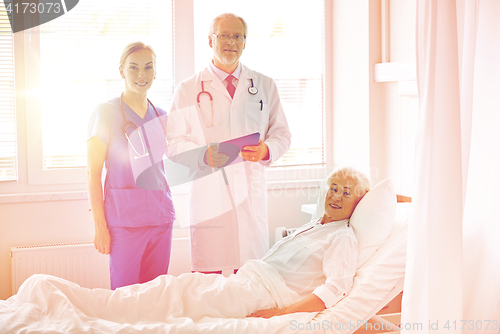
point(378, 279)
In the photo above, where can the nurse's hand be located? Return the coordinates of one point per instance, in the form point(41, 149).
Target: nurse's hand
point(102, 240)
point(255, 153)
point(213, 158)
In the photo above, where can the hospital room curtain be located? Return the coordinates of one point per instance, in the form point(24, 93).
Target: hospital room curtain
point(453, 263)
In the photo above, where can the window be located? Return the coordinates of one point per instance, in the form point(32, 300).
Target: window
point(78, 69)
point(72, 66)
point(8, 151)
point(286, 43)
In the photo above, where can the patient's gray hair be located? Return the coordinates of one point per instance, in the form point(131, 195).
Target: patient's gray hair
point(362, 181)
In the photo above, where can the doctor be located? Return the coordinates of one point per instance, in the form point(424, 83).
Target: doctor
point(228, 220)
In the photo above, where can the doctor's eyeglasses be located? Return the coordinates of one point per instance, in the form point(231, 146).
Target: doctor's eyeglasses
point(226, 38)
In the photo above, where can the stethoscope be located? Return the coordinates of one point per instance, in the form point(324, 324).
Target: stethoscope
point(130, 124)
point(252, 90)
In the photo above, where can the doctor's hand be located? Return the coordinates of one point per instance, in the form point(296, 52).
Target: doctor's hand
point(213, 158)
point(255, 153)
point(102, 240)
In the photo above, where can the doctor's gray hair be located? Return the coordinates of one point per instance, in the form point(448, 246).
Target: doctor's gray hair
point(227, 16)
point(134, 47)
point(362, 181)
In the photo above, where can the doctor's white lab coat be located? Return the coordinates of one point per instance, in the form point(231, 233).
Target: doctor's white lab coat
point(223, 238)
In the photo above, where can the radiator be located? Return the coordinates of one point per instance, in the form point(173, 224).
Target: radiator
point(80, 262)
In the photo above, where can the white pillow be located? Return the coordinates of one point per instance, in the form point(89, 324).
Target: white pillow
point(373, 219)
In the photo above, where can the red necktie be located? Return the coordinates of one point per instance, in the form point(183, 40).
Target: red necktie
point(230, 87)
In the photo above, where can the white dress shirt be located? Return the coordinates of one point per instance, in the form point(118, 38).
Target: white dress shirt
point(317, 258)
point(223, 75)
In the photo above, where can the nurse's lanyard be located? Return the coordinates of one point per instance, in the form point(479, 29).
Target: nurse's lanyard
point(130, 124)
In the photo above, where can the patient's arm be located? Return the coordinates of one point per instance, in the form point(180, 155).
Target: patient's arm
point(312, 303)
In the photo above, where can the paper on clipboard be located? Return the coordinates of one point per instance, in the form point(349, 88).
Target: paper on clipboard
point(233, 147)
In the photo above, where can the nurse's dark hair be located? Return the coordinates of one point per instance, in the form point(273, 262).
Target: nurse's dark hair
point(362, 181)
point(227, 16)
point(134, 47)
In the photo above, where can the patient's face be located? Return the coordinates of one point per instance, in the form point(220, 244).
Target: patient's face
point(341, 199)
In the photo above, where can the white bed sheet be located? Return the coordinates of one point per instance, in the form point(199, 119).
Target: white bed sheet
point(46, 304)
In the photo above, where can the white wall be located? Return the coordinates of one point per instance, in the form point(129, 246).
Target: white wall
point(351, 84)
point(39, 223)
point(402, 17)
point(401, 111)
point(361, 121)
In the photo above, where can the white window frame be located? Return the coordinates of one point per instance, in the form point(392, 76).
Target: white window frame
point(36, 174)
point(183, 35)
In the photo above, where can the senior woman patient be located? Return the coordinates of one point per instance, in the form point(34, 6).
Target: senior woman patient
point(318, 261)
point(308, 271)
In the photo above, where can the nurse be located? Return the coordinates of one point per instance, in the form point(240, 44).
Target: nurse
point(227, 209)
point(132, 224)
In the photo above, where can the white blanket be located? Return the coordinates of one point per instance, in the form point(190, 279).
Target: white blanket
point(190, 303)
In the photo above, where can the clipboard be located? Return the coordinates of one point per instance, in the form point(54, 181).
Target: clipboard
point(233, 147)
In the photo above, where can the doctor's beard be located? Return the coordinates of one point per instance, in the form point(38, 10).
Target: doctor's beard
point(228, 61)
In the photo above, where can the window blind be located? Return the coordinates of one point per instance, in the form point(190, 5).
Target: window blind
point(79, 60)
point(8, 149)
point(286, 43)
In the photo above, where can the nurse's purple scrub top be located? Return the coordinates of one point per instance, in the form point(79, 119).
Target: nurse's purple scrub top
point(125, 203)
